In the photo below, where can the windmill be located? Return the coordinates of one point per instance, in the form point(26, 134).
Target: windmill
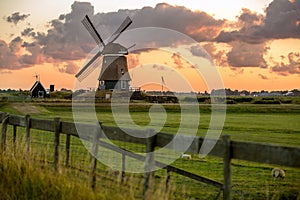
point(114, 72)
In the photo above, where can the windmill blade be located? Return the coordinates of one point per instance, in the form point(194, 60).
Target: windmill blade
point(89, 67)
point(122, 28)
point(92, 30)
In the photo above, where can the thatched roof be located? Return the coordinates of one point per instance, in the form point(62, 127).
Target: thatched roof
point(114, 68)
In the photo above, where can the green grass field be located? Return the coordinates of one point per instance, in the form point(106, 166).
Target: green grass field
point(277, 124)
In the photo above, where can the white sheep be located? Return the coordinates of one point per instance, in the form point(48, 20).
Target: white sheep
point(186, 156)
point(278, 173)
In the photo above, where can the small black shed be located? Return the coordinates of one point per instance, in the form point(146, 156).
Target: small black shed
point(38, 90)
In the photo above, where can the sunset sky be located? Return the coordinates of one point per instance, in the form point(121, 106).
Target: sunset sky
point(254, 44)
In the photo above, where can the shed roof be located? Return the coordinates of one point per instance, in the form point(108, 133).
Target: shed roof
point(35, 85)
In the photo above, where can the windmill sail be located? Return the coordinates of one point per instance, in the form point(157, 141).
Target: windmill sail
point(92, 30)
point(122, 28)
point(89, 67)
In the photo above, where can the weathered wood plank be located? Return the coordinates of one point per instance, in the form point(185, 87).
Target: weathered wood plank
point(17, 120)
point(84, 131)
point(266, 153)
point(116, 133)
point(194, 176)
point(69, 128)
point(42, 124)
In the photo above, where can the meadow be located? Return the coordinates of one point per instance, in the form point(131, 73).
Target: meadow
point(273, 124)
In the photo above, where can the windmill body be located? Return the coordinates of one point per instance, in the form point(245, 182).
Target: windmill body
point(114, 72)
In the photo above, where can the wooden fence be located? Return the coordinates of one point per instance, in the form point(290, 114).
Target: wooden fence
point(224, 148)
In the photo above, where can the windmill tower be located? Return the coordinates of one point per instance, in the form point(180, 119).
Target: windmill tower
point(114, 72)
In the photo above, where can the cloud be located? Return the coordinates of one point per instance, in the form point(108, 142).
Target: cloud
point(28, 32)
point(177, 60)
point(15, 45)
point(16, 17)
point(34, 56)
point(263, 76)
point(247, 55)
point(199, 51)
point(69, 68)
point(8, 58)
point(133, 60)
point(66, 40)
point(198, 25)
point(282, 20)
point(219, 56)
point(292, 67)
point(159, 67)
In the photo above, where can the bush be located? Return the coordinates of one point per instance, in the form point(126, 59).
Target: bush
point(262, 101)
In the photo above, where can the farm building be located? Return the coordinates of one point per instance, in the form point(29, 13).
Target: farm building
point(38, 90)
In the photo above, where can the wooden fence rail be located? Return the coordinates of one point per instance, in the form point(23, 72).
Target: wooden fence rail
point(224, 148)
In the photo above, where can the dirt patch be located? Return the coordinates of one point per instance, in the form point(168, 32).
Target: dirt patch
point(26, 108)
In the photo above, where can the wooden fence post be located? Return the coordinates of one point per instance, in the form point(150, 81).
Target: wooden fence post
point(27, 125)
point(168, 179)
point(14, 136)
point(94, 154)
point(123, 165)
point(57, 129)
point(4, 132)
point(68, 141)
point(227, 168)
point(149, 162)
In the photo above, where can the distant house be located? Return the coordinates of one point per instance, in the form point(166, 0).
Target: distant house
point(38, 90)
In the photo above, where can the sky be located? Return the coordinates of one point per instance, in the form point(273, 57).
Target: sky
point(253, 44)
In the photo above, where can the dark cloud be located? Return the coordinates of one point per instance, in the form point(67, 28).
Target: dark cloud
point(247, 55)
point(35, 55)
point(198, 25)
point(16, 17)
point(292, 67)
point(199, 51)
point(282, 20)
point(69, 68)
point(15, 45)
point(8, 58)
point(28, 32)
point(68, 40)
point(219, 56)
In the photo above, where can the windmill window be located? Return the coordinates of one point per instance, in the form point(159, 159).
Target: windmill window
point(122, 71)
point(123, 84)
